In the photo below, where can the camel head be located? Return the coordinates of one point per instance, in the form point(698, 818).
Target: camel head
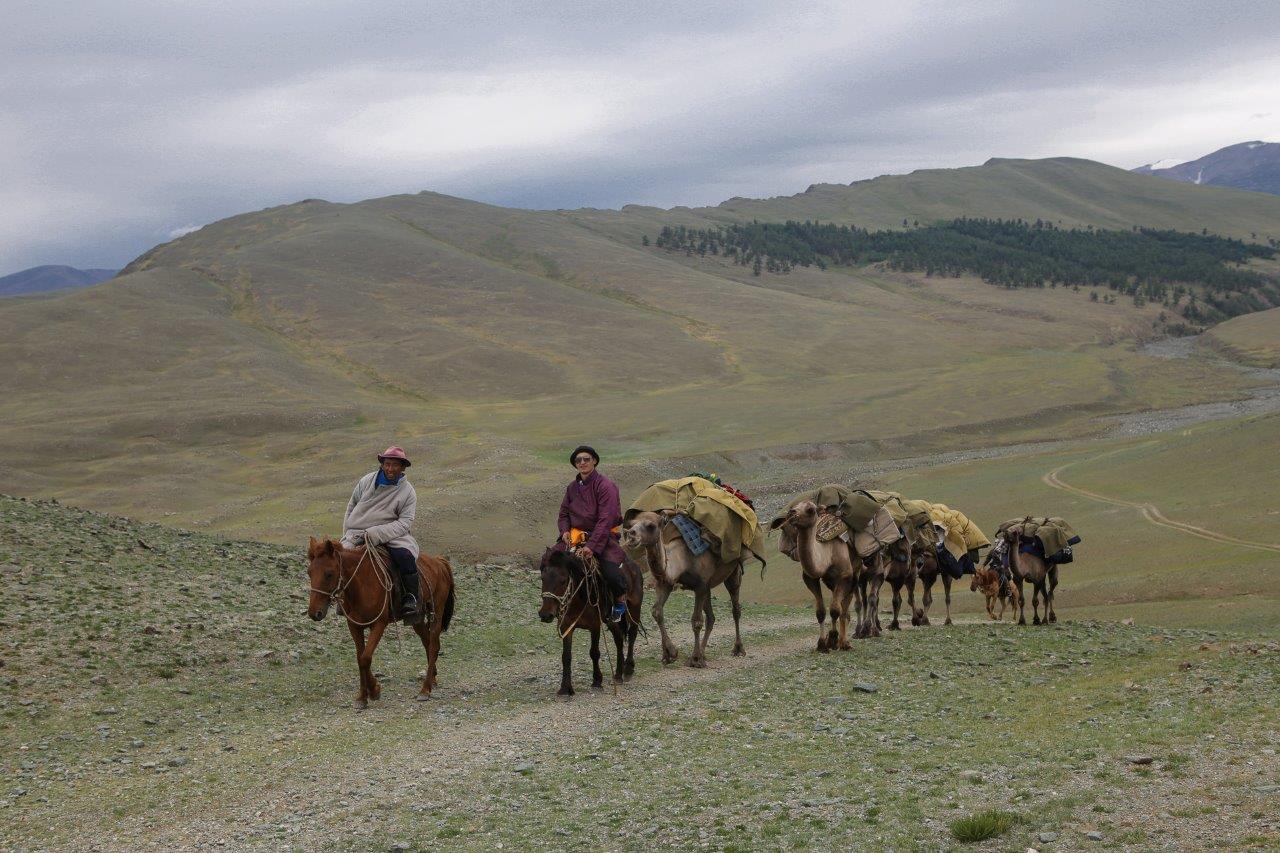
point(324, 574)
point(644, 529)
point(556, 569)
point(803, 515)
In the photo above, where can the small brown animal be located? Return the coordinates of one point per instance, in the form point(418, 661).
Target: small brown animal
point(988, 581)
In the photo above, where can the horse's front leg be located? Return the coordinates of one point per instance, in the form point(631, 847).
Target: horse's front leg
point(619, 668)
point(366, 656)
point(597, 676)
point(357, 634)
point(566, 662)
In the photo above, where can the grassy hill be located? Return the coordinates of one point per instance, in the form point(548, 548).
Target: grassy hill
point(1253, 338)
point(242, 376)
point(166, 686)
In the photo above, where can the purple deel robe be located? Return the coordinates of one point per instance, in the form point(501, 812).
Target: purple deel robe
point(593, 505)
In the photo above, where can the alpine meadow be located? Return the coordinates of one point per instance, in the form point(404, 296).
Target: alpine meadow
point(1048, 338)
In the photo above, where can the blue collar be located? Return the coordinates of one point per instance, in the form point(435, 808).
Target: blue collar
point(383, 481)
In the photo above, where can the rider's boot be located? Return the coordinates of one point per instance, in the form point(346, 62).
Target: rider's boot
point(409, 601)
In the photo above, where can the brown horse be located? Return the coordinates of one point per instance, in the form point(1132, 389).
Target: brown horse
point(988, 581)
point(578, 600)
point(350, 576)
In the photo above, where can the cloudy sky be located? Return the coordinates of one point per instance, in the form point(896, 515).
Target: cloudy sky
point(125, 122)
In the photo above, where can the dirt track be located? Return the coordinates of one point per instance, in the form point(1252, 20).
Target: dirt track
point(1149, 511)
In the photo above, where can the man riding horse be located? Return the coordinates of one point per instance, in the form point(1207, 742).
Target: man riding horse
point(590, 517)
point(381, 511)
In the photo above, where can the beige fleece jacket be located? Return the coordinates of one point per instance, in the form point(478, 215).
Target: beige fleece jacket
point(383, 514)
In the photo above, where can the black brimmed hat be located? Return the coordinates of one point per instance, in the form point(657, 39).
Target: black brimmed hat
point(583, 449)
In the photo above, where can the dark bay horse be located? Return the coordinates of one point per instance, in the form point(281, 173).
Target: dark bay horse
point(351, 577)
point(578, 600)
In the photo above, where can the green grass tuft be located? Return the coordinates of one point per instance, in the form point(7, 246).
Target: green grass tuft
point(983, 825)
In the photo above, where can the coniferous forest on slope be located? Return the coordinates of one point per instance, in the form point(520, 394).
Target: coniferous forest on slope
point(1199, 275)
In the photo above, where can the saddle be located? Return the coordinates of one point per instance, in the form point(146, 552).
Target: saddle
point(426, 607)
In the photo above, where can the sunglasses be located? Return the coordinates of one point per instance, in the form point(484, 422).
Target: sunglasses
point(582, 459)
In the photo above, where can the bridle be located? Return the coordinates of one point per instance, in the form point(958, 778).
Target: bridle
point(339, 591)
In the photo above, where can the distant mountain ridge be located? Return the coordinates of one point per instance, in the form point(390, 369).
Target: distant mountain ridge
point(43, 279)
point(1247, 166)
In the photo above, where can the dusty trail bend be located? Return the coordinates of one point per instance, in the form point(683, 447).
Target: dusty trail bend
point(1150, 512)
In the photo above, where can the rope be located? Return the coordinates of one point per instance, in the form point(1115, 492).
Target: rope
point(339, 592)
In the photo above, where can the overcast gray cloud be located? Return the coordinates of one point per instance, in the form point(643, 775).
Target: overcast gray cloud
point(124, 123)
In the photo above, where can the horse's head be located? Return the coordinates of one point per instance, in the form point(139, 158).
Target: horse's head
point(643, 529)
point(324, 573)
point(557, 569)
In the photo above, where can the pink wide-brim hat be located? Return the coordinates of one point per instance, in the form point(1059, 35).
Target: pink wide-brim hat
point(394, 452)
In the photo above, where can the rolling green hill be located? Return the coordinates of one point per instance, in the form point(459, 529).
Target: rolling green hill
point(1253, 338)
point(240, 377)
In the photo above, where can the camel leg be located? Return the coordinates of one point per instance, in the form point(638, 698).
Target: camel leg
point(946, 592)
point(846, 603)
point(566, 663)
point(926, 599)
point(917, 615)
point(838, 632)
point(897, 604)
point(660, 593)
point(701, 604)
point(1022, 600)
point(862, 628)
point(734, 585)
point(597, 676)
point(1053, 584)
point(819, 610)
point(1041, 594)
point(873, 599)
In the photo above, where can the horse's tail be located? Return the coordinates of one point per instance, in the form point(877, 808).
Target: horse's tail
point(448, 609)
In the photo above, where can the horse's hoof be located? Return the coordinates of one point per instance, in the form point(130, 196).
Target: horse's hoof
point(1035, 620)
point(1022, 621)
point(698, 663)
point(597, 688)
point(846, 646)
point(565, 691)
point(948, 622)
point(894, 626)
point(739, 651)
point(360, 704)
point(424, 697)
point(1053, 617)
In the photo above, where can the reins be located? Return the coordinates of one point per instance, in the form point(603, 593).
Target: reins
point(339, 592)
